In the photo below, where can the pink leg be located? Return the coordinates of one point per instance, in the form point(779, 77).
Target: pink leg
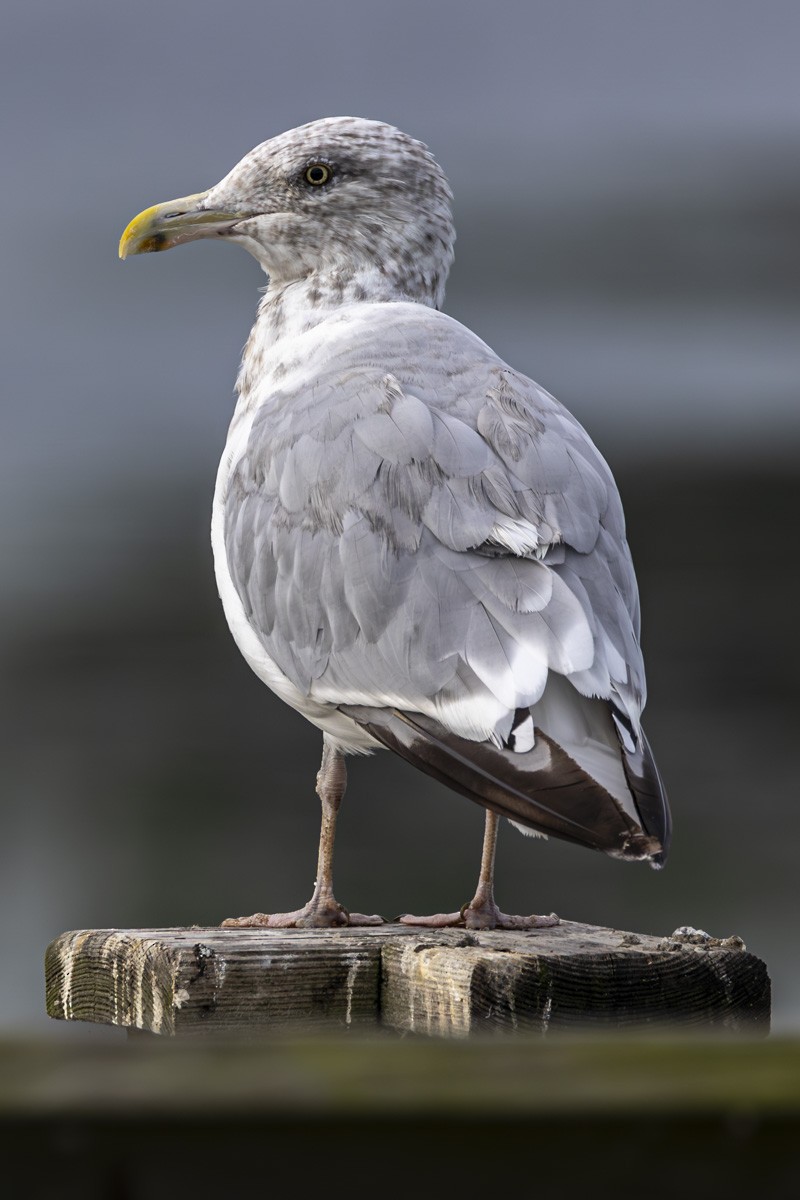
point(322, 911)
point(482, 912)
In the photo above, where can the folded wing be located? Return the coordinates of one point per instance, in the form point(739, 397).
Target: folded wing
point(441, 554)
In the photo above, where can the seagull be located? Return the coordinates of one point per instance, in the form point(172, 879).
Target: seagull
point(416, 546)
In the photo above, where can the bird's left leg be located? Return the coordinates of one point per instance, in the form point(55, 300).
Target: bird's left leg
point(323, 909)
point(482, 912)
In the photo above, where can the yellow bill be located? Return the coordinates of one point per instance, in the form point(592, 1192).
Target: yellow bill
point(166, 225)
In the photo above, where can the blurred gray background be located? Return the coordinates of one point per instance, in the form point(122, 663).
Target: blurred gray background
point(627, 184)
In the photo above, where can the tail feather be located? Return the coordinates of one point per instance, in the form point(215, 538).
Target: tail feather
point(544, 788)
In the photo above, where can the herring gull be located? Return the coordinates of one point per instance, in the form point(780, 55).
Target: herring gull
point(416, 546)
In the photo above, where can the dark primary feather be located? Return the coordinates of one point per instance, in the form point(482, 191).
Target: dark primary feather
point(545, 789)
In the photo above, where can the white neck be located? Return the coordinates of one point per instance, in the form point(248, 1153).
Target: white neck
point(291, 309)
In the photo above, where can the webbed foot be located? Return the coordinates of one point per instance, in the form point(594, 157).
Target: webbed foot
point(317, 914)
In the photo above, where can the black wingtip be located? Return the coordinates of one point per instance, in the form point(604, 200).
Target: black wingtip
point(650, 797)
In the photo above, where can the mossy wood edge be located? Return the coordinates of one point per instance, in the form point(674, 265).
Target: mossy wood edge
point(328, 1076)
point(447, 983)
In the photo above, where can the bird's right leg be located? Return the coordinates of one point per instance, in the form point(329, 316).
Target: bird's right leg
point(323, 910)
point(482, 912)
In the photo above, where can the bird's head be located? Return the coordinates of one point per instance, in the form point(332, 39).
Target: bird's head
point(335, 198)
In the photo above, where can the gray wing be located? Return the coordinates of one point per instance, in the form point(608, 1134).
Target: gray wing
point(456, 533)
point(435, 534)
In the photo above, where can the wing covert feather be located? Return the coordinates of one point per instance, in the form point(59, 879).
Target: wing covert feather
point(439, 539)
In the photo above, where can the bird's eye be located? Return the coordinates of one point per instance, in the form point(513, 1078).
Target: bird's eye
point(317, 174)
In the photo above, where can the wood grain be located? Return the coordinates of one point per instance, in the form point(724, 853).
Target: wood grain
point(444, 983)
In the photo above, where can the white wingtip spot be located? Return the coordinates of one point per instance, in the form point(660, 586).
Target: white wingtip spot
point(624, 734)
point(522, 737)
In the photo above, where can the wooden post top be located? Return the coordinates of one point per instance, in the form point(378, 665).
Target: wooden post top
point(450, 982)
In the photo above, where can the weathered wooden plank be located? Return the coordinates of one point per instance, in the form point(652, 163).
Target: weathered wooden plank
point(171, 981)
point(542, 979)
point(447, 983)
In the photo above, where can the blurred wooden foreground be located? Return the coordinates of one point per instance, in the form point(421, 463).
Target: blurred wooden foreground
point(447, 983)
point(622, 1115)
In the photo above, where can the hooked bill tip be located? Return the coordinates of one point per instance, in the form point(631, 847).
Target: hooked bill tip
point(134, 239)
